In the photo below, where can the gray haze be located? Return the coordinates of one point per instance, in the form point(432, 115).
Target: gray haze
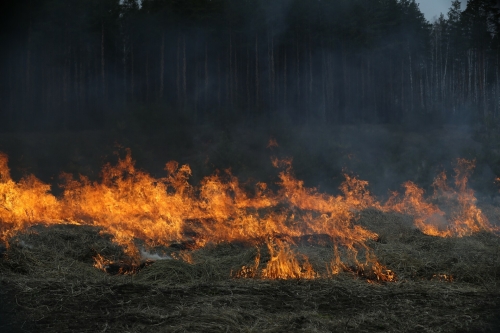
point(432, 8)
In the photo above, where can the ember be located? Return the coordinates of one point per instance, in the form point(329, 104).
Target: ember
point(114, 268)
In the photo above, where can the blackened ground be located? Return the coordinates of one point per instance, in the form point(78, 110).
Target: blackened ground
point(12, 319)
point(52, 285)
point(344, 305)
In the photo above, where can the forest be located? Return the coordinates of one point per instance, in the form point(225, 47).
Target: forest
point(90, 64)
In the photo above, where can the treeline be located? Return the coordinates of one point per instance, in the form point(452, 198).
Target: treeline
point(77, 64)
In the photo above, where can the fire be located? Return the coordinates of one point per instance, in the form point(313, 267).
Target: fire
point(442, 277)
point(114, 268)
point(469, 218)
point(460, 217)
point(24, 203)
point(427, 216)
point(130, 204)
point(283, 264)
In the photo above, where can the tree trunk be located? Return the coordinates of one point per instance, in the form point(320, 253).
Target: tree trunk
point(147, 76)
point(310, 80)
point(229, 86)
point(297, 74)
point(272, 73)
point(219, 82)
point(195, 81)
point(235, 80)
point(162, 64)
point(248, 79)
point(285, 83)
point(28, 60)
point(403, 87)
point(257, 102)
point(206, 75)
point(323, 86)
point(411, 79)
point(178, 71)
point(124, 84)
point(443, 91)
point(483, 87)
point(184, 73)
point(103, 76)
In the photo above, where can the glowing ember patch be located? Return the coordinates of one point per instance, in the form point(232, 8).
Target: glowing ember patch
point(442, 277)
point(122, 268)
point(272, 143)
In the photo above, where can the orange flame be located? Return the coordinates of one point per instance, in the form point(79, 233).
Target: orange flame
point(463, 216)
point(427, 215)
point(130, 204)
point(24, 203)
point(283, 264)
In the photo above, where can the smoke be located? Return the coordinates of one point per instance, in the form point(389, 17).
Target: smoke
point(146, 255)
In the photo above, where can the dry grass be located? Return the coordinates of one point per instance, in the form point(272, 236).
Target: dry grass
point(49, 284)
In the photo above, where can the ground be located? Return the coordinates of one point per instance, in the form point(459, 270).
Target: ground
point(49, 284)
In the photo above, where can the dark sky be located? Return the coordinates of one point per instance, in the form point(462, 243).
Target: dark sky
point(432, 8)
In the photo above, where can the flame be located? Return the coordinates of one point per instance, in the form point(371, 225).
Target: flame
point(100, 262)
point(427, 216)
point(114, 268)
point(184, 256)
point(470, 218)
point(461, 217)
point(24, 203)
point(130, 204)
point(283, 264)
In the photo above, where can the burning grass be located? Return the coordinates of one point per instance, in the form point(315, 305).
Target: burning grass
point(130, 204)
point(217, 257)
